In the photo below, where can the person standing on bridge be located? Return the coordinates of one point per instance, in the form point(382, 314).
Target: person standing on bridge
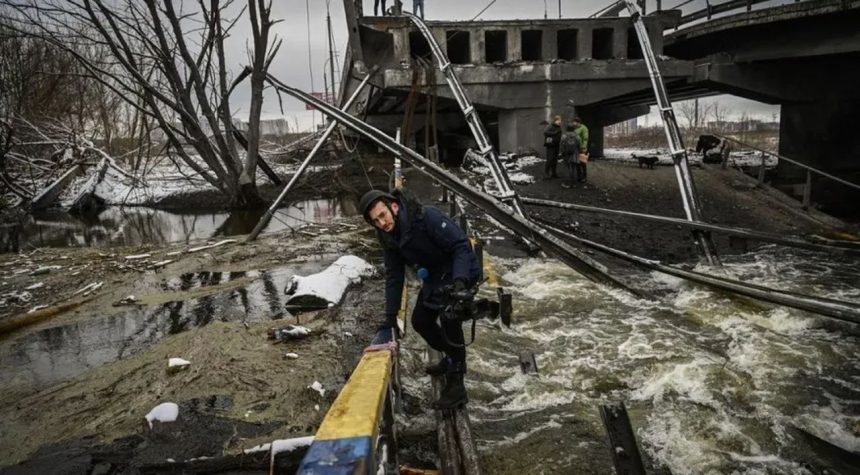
point(376, 4)
point(416, 4)
point(552, 137)
point(429, 240)
point(581, 165)
point(569, 150)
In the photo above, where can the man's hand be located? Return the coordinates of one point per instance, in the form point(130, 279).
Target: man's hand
point(461, 291)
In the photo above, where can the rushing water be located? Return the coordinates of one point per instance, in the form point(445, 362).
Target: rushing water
point(139, 225)
point(713, 383)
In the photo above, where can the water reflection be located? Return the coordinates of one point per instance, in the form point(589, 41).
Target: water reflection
point(46, 357)
point(136, 225)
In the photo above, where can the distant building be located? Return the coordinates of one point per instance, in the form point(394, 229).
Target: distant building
point(268, 126)
point(623, 128)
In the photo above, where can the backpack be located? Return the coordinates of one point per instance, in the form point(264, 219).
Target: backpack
point(569, 144)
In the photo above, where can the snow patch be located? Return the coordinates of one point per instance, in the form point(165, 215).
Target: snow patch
point(164, 412)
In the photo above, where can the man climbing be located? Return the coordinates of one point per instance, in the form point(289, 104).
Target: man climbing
point(581, 132)
point(427, 239)
point(552, 136)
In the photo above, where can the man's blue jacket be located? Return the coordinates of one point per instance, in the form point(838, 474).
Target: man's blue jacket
point(424, 237)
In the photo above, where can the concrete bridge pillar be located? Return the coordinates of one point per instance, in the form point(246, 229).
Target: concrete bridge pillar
point(515, 44)
point(550, 45)
point(520, 130)
point(822, 134)
point(619, 42)
point(584, 39)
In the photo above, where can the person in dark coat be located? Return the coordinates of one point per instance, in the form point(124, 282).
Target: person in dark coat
point(376, 4)
point(552, 136)
point(429, 240)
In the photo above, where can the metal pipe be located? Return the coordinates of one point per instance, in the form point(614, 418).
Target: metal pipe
point(791, 161)
point(807, 191)
point(553, 246)
point(264, 220)
point(847, 248)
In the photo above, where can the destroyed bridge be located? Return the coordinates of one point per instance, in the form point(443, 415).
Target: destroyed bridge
point(518, 73)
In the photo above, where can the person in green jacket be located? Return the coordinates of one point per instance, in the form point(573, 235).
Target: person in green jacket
point(582, 132)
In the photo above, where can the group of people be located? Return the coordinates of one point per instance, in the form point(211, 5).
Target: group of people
point(416, 6)
point(571, 146)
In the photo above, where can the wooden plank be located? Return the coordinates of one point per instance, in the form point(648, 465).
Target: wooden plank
point(50, 193)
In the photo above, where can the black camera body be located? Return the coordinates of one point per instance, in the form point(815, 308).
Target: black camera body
point(462, 306)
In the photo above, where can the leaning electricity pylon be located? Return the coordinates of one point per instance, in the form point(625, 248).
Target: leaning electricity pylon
point(689, 197)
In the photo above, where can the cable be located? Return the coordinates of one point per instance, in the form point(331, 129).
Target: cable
point(310, 57)
point(482, 11)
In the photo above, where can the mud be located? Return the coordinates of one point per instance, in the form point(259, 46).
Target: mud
point(240, 390)
point(728, 197)
point(78, 382)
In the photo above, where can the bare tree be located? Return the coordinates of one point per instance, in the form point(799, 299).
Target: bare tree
point(718, 112)
point(166, 60)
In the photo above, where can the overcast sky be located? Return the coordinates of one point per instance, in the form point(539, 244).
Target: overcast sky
point(301, 17)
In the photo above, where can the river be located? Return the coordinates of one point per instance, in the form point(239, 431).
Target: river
point(713, 383)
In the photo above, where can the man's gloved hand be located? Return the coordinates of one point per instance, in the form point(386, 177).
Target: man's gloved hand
point(460, 290)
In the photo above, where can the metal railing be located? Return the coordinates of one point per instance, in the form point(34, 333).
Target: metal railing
point(711, 8)
point(807, 188)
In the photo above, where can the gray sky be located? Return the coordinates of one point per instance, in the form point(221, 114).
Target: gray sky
point(292, 64)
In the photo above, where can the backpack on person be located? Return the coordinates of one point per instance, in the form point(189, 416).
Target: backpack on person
point(569, 146)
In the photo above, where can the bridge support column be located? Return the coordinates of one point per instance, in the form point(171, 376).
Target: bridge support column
point(584, 39)
point(520, 130)
point(823, 134)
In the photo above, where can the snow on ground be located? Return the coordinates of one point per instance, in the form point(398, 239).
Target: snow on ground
point(745, 158)
point(164, 412)
point(121, 187)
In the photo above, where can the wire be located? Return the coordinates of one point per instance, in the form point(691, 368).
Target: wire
point(482, 11)
point(310, 57)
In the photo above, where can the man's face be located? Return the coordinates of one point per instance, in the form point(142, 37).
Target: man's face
point(381, 217)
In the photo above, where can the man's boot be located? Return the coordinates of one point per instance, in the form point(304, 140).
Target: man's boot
point(454, 393)
point(439, 368)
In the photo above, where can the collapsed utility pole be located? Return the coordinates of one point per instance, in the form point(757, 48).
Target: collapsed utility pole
point(264, 220)
point(689, 196)
point(549, 243)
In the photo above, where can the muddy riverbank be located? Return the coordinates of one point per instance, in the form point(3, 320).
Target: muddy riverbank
point(85, 378)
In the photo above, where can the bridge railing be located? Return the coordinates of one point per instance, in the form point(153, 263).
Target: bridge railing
point(807, 188)
point(712, 7)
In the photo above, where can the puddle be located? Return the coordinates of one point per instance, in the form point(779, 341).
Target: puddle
point(53, 355)
point(117, 226)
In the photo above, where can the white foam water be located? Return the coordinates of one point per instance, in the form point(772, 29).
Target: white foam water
point(713, 383)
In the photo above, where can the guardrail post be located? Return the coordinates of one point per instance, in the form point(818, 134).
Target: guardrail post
point(659, 5)
point(807, 190)
point(390, 435)
point(749, 5)
point(761, 171)
point(708, 3)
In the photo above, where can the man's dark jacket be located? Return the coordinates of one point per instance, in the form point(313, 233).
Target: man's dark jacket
point(553, 135)
point(424, 237)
